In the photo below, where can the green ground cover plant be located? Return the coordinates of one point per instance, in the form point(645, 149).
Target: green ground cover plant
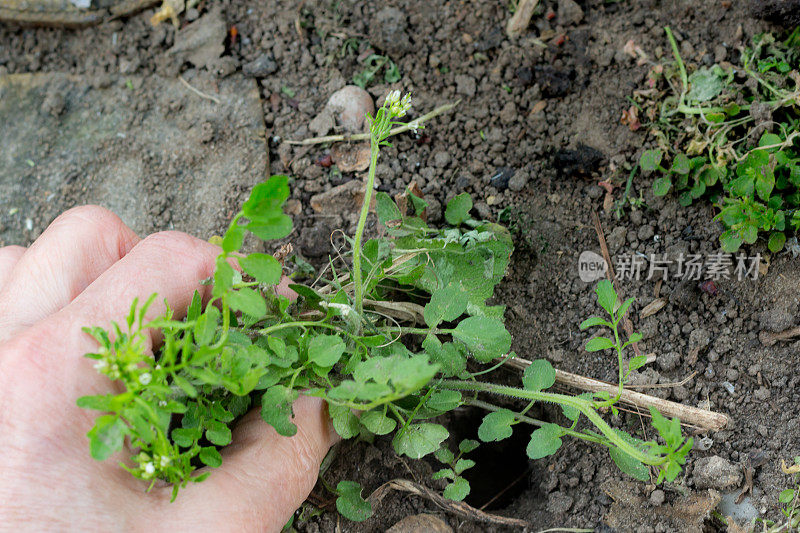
point(729, 133)
point(395, 336)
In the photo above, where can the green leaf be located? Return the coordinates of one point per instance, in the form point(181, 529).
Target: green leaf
point(276, 409)
point(350, 504)
point(496, 425)
point(448, 356)
point(266, 198)
point(248, 301)
point(661, 186)
point(681, 164)
point(539, 375)
point(218, 433)
point(486, 338)
point(418, 440)
point(463, 464)
point(637, 362)
point(776, 241)
point(195, 307)
point(263, 267)
point(444, 455)
point(277, 227)
point(593, 321)
point(446, 304)
point(606, 296)
point(185, 437)
point(599, 343)
point(457, 490)
point(378, 423)
point(650, 160)
point(444, 473)
point(210, 456)
point(386, 208)
point(325, 350)
point(223, 277)
point(629, 465)
point(206, 326)
point(444, 400)
point(233, 239)
point(544, 441)
point(705, 84)
point(730, 241)
point(185, 386)
point(344, 421)
point(765, 181)
point(468, 445)
point(786, 496)
point(106, 436)
point(457, 210)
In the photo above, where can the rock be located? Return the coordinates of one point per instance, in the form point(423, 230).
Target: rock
point(657, 497)
point(699, 339)
point(716, 473)
point(499, 180)
point(340, 200)
point(569, 12)
point(441, 159)
point(519, 180)
point(350, 106)
point(351, 157)
point(261, 67)
point(201, 43)
point(420, 523)
point(558, 502)
point(323, 123)
point(465, 85)
point(668, 361)
point(388, 31)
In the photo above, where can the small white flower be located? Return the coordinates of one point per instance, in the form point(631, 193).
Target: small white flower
point(344, 308)
point(414, 125)
point(149, 469)
point(99, 365)
point(164, 461)
point(145, 378)
point(392, 98)
point(162, 403)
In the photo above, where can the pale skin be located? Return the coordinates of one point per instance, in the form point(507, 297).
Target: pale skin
point(85, 270)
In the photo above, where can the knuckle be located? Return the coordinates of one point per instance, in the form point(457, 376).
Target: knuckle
point(171, 242)
point(94, 223)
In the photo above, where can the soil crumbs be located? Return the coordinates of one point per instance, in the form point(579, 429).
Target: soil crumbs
point(537, 129)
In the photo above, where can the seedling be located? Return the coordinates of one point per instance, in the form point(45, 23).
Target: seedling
point(400, 333)
point(706, 131)
point(372, 66)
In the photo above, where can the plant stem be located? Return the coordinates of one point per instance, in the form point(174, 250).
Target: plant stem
point(681, 67)
point(362, 220)
point(584, 406)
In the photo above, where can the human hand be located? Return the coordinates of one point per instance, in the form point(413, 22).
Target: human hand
point(85, 270)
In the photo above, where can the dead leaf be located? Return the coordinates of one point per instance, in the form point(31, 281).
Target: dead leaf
point(630, 117)
point(404, 202)
point(518, 23)
point(653, 307)
point(345, 198)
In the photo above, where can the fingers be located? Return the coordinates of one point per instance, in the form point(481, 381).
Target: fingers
point(72, 252)
point(264, 477)
point(9, 255)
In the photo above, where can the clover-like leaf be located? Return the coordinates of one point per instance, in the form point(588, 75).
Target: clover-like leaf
point(468, 445)
point(248, 301)
point(637, 362)
point(106, 436)
point(544, 441)
point(650, 160)
point(496, 425)
point(218, 433)
point(539, 375)
point(349, 502)
point(210, 456)
point(446, 304)
point(418, 440)
point(457, 210)
point(325, 350)
point(378, 423)
point(276, 409)
point(263, 267)
point(485, 337)
point(457, 490)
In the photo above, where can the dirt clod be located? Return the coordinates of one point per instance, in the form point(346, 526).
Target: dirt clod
point(716, 473)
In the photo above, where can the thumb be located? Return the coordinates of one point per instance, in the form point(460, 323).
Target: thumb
point(264, 477)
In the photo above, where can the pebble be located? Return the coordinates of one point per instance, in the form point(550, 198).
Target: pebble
point(668, 361)
point(716, 473)
point(519, 180)
point(559, 503)
point(441, 159)
point(420, 523)
point(261, 67)
point(569, 12)
point(349, 106)
point(465, 85)
point(657, 497)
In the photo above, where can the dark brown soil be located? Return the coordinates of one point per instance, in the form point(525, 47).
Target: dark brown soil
point(543, 114)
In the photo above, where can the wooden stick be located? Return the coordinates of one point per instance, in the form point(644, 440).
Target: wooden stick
point(701, 418)
point(394, 131)
point(768, 338)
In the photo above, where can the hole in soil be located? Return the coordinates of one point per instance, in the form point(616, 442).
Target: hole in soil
point(502, 468)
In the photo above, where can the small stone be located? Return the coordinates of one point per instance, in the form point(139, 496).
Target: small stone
point(668, 361)
point(775, 319)
point(465, 85)
point(441, 159)
point(657, 497)
point(699, 339)
point(716, 473)
point(323, 123)
point(350, 105)
point(594, 192)
point(519, 180)
point(388, 31)
point(261, 67)
point(762, 394)
point(569, 12)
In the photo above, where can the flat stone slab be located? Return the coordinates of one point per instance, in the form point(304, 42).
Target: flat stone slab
point(150, 149)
